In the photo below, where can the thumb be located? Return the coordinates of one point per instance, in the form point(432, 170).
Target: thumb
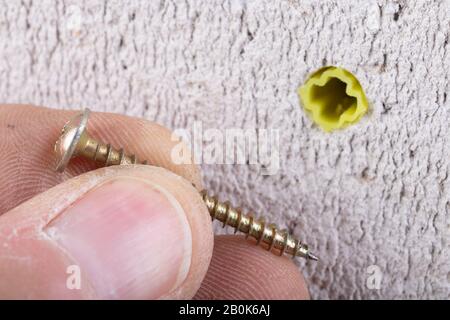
point(124, 232)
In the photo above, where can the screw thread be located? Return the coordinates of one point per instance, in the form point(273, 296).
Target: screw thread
point(106, 155)
point(266, 235)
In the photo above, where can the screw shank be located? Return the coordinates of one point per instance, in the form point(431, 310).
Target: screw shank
point(79, 143)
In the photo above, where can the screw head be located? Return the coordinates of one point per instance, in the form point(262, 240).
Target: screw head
point(66, 145)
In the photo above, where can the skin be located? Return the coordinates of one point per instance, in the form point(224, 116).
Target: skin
point(222, 267)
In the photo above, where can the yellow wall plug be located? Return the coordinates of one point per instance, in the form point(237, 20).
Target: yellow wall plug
point(333, 97)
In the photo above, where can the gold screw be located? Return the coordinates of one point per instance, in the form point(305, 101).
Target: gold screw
point(74, 141)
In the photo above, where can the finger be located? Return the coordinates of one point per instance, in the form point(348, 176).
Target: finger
point(125, 232)
point(27, 159)
point(239, 270)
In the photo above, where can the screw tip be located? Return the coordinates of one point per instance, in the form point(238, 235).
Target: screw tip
point(311, 256)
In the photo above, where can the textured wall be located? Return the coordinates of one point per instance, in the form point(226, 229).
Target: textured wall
point(375, 193)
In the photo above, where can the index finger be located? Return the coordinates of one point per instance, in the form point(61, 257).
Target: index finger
point(28, 134)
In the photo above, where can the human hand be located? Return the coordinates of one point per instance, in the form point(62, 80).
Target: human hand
point(123, 232)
